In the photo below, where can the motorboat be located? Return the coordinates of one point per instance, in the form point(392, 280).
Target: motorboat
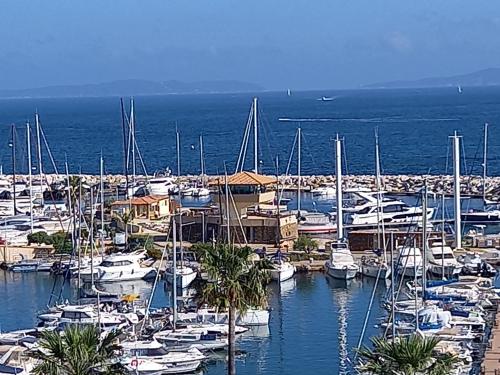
point(24, 265)
point(324, 190)
point(281, 270)
point(151, 357)
point(188, 191)
point(316, 223)
point(481, 217)
point(442, 261)
point(201, 192)
point(119, 267)
point(161, 184)
point(185, 276)
point(341, 264)
point(14, 359)
point(251, 317)
point(410, 262)
point(87, 315)
point(392, 212)
point(186, 338)
point(473, 264)
point(375, 267)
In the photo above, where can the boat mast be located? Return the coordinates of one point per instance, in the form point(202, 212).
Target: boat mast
point(338, 171)
point(228, 226)
point(28, 139)
point(174, 274)
point(485, 150)
point(13, 132)
point(299, 166)
point(442, 236)
point(380, 223)
point(132, 131)
point(102, 202)
point(39, 149)
point(425, 244)
point(125, 148)
point(202, 162)
point(278, 218)
point(255, 138)
point(456, 190)
point(178, 146)
point(79, 245)
point(91, 232)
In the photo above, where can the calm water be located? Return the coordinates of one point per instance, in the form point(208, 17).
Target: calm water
point(414, 126)
point(315, 320)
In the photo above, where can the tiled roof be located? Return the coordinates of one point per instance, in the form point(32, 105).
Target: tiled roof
point(246, 178)
point(140, 201)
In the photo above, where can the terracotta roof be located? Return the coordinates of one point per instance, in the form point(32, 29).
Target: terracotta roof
point(139, 201)
point(246, 178)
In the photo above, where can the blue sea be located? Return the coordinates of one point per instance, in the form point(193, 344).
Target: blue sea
point(413, 126)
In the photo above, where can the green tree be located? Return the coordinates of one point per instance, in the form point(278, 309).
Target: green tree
point(79, 351)
point(235, 285)
point(304, 243)
point(39, 238)
point(411, 355)
point(61, 242)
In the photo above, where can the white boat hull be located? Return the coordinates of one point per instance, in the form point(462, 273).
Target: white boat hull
point(185, 276)
point(449, 270)
point(119, 276)
point(410, 271)
point(253, 318)
point(372, 270)
point(282, 272)
point(341, 273)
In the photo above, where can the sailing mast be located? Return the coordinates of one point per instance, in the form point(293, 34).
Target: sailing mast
point(255, 138)
point(485, 150)
point(202, 162)
point(456, 189)
point(174, 273)
point(28, 139)
point(39, 149)
point(380, 225)
point(125, 147)
point(338, 171)
point(13, 136)
point(132, 133)
point(102, 202)
point(299, 162)
point(178, 146)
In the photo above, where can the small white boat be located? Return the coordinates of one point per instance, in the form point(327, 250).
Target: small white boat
point(375, 267)
point(410, 262)
point(185, 276)
point(341, 264)
point(324, 190)
point(151, 357)
point(282, 269)
point(201, 192)
point(188, 192)
point(120, 267)
point(315, 224)
point(185, 338)
point(251, 317)
point(87, 315)
point(442, 261)
point(473, 264)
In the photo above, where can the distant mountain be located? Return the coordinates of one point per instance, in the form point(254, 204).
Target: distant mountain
point(485, 77)
point(132, 87)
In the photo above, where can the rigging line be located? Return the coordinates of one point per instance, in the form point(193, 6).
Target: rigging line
point(140, 159)
point(447, 157)
point(290, 159)
point(46, 143)
point(308, 149)
point(244, 141)
point(344, 155)
point(463, 156)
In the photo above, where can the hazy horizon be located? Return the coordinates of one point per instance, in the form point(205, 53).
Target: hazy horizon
point(327, 44)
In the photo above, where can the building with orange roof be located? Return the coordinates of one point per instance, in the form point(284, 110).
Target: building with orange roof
point(148, 207)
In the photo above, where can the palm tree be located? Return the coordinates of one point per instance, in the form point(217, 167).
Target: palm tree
point(79, 351)
point(411, 355)
point(235, 284)
point(126, 218)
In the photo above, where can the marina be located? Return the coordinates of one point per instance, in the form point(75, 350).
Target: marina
point(334, 261)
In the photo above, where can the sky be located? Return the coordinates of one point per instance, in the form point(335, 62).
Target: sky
point(278, 44)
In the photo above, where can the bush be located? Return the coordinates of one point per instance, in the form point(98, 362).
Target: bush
point(39, 238)
point(62, 242)
point(305, 243)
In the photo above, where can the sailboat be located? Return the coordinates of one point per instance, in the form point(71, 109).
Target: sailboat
point(341, 264)
point(459, 89)
point(377, 266)
point(184, 275)
point(288, 92)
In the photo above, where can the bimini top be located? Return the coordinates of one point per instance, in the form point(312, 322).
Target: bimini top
point(245, 178)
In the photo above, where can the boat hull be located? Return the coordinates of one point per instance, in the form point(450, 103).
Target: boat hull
point(341, 273)
point(282, 273)
point(372, 270)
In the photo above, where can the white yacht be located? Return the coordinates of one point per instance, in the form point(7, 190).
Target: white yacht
point(393, 212)
point(201, 192)
point(341, 264)
point(410, 262)
point(120, 267)
point(441, 258)
point(324, 190)
point(82, 315)
point(484, 217)
point(161, 185)
point(282, 269)
point(151, 357)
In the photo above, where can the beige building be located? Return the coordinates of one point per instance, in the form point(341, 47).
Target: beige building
point(253, 214)
point(150, 207)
